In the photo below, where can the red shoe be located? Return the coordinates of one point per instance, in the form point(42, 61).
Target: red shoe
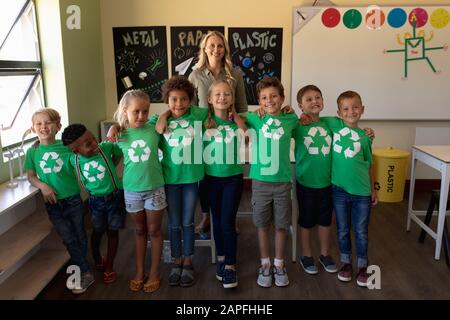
point(109, 277)
point(100, 265)
point(362, 277)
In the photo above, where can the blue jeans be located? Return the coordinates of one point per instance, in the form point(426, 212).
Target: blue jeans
point(181, 200)
point(107, 212)
point(67, 216)
point(352, 210)
point(224, 197)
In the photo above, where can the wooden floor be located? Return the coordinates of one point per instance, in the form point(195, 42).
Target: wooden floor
point(408, 269)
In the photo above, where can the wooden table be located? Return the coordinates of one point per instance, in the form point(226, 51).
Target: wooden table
point(437, 157)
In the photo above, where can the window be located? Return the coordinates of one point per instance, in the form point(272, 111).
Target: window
point(21, 88)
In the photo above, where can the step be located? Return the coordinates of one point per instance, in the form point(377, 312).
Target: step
point(28, 281)
point(23, 237)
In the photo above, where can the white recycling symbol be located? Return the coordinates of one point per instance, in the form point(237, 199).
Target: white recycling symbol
point(217, 134)
point(354, 136)
point(132, 151)
point(56, 167)
point(94, 164)
point(309, 140)
point(187, 138)
point(279, 131)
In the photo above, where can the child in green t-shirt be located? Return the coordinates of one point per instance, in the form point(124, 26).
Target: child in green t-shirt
point(353, 189)
point(222, 142)
point(143, 183)
point(313, 179)
point(48, 168)
point(271, 171)
point(96, 171)
point(182, 163)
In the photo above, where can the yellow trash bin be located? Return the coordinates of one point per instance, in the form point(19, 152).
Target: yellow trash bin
point(390, 173)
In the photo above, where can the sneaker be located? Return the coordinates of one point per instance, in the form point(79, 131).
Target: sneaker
point(346, 272)
point(175, 275)
point(264, 276)
point(87, 279)
point(308, 265)
point(187, 276)
point(281, 277)
point(328, 264)
point(220, 268)
point(229, 279)
point(362, 277)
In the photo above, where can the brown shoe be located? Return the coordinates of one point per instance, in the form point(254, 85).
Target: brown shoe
point(346, 272)
point(362, 277)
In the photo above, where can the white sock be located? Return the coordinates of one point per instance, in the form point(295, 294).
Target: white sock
point(278, 262)
point(265, 261)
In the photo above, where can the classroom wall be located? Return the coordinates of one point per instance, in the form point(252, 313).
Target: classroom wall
point(83, 65)
point(238, 13)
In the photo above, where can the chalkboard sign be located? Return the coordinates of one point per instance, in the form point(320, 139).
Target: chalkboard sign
point(257, 53)
point(396, 58)
point(141, 60)
point(185, 42)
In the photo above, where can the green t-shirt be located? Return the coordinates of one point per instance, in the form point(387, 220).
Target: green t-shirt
point(270, 139)
point(142, 169)
point(52, 165)
point(313, 155)
point(221, 149)
point(351, 159)
point(182, 148)
point(94, 171)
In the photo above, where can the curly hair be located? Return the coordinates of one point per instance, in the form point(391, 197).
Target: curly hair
point(177, 83)
point(72, 132)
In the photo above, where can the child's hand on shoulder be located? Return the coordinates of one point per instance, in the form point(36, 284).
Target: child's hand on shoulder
point(370, 133)
point(260, 112)
point(287, 110)
point(305, 119)
point(113, 133)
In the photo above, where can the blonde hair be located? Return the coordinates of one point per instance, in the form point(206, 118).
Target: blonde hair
point(120, 115)
point(210, 123)
point(52, 114)
point(226, 60)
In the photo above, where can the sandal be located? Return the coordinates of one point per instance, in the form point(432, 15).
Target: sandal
point(109, 277)
point(152, 286)
point(137, 285)
point(175, 275)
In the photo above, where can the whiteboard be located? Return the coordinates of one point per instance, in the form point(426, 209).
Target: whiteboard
point(372, 60)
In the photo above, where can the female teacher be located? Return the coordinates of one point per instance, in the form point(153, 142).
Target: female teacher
point(214, 63)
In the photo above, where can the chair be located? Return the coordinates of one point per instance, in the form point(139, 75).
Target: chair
point(434, 203)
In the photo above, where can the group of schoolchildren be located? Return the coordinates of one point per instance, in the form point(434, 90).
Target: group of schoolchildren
point(333, 171)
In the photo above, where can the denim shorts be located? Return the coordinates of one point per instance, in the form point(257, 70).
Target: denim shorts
point(151, 200)
point(315, 206)
point(108, 212)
